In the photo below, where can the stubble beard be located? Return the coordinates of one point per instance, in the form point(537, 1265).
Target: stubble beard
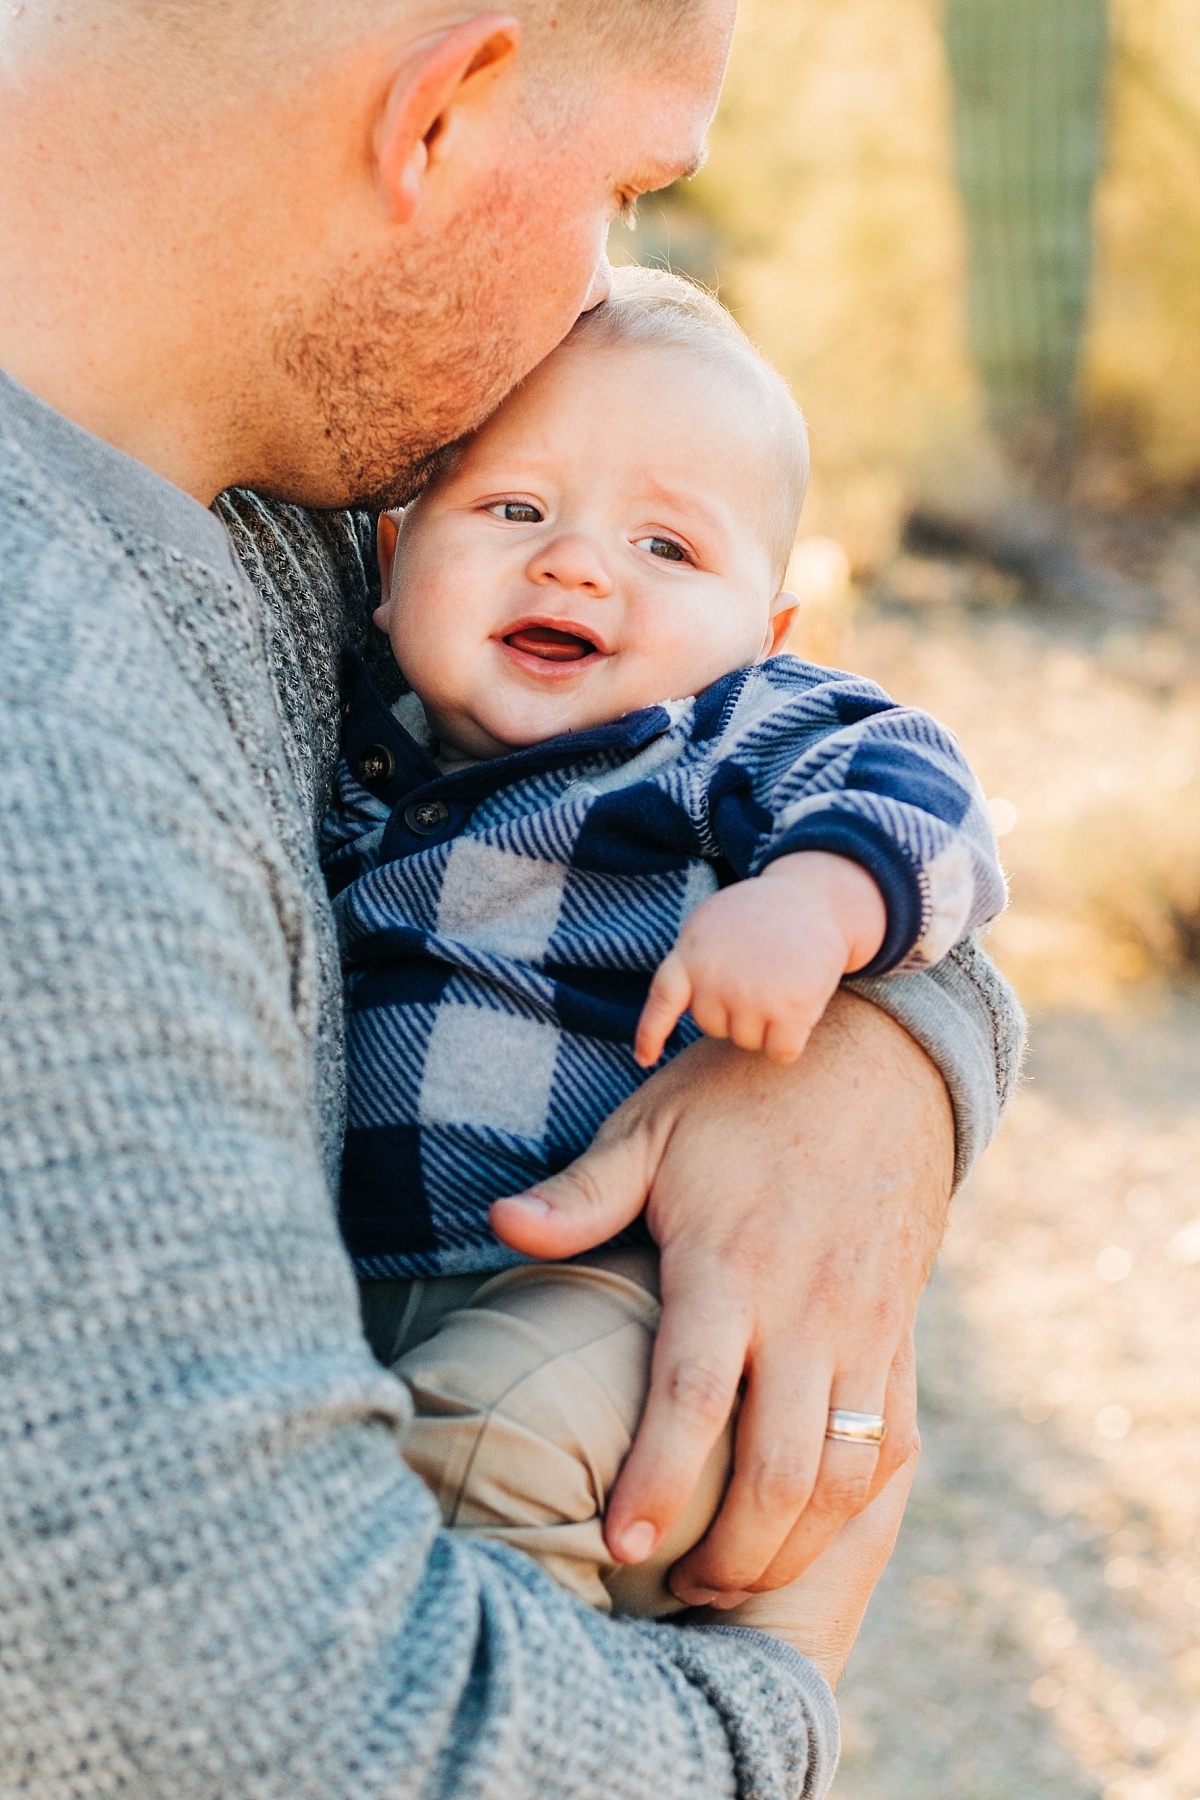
point(394, 366)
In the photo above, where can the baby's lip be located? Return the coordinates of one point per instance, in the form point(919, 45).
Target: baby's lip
point(553, 640)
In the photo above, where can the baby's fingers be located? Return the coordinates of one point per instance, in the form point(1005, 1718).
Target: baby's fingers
point(748, 1027)
point(785, 1039)
point(669, 998)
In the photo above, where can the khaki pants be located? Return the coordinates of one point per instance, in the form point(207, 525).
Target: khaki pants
point(527, 1388)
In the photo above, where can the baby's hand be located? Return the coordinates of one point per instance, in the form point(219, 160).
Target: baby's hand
point(759, 962)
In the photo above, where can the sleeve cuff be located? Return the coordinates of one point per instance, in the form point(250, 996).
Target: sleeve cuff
point(966, 1018)
point(863, 842)
point(816, 1695)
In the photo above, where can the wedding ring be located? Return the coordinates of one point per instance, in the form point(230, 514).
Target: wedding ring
point(855, 1428)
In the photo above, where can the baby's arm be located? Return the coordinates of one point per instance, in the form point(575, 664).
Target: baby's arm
point(760, 961)
point(862, 843)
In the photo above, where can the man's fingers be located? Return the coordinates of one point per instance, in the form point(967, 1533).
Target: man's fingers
point(820, 1613)
point(669, 998)
point(598, 1195)
point(845, 1466)
point(792, 1488)
point(845, 1485)
point(900, 1411)
point(698, 1360)
point(776, 1460)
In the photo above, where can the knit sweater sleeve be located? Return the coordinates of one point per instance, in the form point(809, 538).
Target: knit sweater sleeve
point(218, 1580)
point(967, 1019)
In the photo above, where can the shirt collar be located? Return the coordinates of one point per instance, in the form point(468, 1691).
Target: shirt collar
point(368, 721)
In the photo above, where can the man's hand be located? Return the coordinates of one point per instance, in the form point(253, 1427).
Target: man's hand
point(821, 1613)
point(798, 1211)
point(760, 961)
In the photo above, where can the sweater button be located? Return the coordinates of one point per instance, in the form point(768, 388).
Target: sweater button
point(375, 764)
point(426, 816)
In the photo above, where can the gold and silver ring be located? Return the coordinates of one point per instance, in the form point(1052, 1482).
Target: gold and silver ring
point(855, 1427)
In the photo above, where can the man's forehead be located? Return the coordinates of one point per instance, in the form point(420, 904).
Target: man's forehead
point(665, 105)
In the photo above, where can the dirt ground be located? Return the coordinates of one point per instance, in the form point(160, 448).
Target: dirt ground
point(1037, 1636)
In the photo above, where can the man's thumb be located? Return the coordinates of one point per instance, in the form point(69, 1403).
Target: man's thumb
point(588, 1203)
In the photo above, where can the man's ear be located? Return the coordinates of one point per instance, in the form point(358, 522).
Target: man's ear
point(387, 535)
point(440, 80)
point(785, 609)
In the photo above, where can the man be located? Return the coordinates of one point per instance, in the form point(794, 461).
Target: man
point(296, 246)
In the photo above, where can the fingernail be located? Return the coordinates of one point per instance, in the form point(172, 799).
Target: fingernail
point(693, 1596)
point(638, 1540)
point(723, 1602)
point(530, 1203)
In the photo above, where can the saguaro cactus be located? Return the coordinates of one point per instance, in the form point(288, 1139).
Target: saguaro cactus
point(1029, 95)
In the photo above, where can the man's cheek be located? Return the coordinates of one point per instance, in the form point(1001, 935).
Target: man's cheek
point(562, 248)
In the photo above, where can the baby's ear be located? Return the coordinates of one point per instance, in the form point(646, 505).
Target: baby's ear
point(784, 610)
point(386, 537)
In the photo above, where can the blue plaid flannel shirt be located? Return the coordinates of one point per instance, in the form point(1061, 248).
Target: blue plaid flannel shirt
point(500, 924)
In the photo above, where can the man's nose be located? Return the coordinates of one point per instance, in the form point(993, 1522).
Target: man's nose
point(572, 562)
point(601, 284)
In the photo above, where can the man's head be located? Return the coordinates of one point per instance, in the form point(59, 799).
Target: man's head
point(615, 536)
point(323, 236)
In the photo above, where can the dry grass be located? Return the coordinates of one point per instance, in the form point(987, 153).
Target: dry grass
point(1038, 1634)
point(829, 211)
point(831, 177)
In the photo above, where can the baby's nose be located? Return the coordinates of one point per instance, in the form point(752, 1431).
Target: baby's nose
point(574, 562)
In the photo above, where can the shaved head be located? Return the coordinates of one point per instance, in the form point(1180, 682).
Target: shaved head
point(554, 29)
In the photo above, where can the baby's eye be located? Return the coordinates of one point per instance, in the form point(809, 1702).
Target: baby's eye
point(667, 548)
point(517, 512)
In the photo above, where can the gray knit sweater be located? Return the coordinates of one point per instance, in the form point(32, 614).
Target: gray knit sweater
point(217, 1578)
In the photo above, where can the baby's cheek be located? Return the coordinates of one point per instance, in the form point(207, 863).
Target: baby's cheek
point(688, 654)
point(414, 639)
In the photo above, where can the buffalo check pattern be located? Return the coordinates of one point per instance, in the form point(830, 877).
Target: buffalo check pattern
point(500, 924)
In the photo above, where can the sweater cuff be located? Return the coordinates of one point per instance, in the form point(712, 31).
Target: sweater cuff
point(862, 841)
point(816, 1696)
point(967, 1019)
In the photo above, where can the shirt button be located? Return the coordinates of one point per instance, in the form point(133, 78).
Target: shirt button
point(426, 816)
point(376, 764)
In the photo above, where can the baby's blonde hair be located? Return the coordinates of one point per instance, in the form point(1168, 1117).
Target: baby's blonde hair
point(654, 306)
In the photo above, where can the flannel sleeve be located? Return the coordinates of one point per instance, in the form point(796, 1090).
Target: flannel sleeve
point(812, 759)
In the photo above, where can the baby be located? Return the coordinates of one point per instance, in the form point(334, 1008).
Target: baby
point(606, 817)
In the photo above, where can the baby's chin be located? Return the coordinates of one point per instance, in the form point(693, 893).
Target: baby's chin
point(517, 721)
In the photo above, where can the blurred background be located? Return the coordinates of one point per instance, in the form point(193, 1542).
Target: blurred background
point(969, 234)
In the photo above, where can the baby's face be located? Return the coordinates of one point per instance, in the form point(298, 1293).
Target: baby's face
point(598, 547)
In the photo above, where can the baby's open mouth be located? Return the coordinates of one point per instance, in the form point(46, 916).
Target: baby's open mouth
point(552, 645)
